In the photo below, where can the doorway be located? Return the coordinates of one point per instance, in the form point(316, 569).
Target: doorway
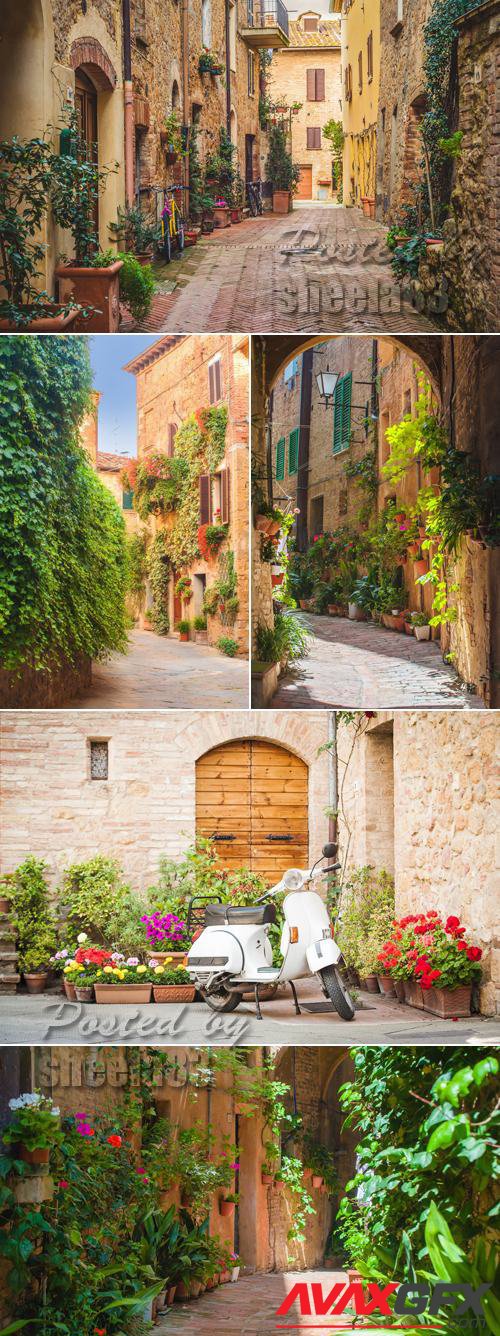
point(252, 800)
point(86, 114)
point(304, 188)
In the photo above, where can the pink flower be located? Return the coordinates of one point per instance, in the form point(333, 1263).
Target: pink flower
point(63, 1183)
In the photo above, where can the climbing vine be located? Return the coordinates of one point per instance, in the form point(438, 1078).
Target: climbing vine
point(63, 566)
point(221, 597)
point(158, 565)
point(440, 32)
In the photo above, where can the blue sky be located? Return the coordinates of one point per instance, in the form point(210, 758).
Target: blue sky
point(108, 355)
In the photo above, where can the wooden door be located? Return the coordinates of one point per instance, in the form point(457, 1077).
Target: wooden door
point(252, 799)
point(86, 113)
point(304, 188)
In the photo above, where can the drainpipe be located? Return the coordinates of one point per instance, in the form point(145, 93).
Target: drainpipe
point(128, 99)
point(185, 96)
point(333, 796)
point(304, 440)
point(228, 68)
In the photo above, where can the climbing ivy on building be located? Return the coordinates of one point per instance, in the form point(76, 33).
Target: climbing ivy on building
point(440, 33)
point(159, 570)
point(62, 536)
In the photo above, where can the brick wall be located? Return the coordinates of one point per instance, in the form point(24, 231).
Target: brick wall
point(288, 79)
point(400, 105)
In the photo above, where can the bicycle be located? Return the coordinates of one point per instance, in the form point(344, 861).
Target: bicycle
point(172, 224)
point(254, 194)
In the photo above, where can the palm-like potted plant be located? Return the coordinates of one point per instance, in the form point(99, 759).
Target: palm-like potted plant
point(77, 184)
point(137, 232)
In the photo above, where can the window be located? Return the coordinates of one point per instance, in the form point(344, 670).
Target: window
point(224, 496)
point(290, 373)
point(360, 71)
point(313, 136)
point(311, 24)
point(215, 380)
point(232, 37)
point(206, 22)
point(316, 515)
point(369, 56)
point(348, 83)
point(205, 499)
point(315, 85)
point(172, 433)
point(99, 759)
point(251, 74)
point(127, 500)
point(342, 413)
point(293, 451)
point(280, 460)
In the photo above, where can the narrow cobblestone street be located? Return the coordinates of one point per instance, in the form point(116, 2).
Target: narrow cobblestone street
point(253, 277)
point(360, 665)
point(249, 1307)
point(166, 673)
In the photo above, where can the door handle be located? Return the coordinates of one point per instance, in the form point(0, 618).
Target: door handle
point(280, 839)
point(226, 839)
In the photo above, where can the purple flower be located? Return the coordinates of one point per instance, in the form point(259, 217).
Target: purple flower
point(132, 960)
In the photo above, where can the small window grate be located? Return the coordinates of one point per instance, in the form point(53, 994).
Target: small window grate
point(98, 760)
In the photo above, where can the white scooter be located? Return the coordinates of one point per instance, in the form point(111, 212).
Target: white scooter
point(233, 953)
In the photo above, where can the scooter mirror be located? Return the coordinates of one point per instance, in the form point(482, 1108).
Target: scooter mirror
point(329, 850)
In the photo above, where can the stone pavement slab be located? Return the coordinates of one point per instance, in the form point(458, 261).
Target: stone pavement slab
point(316, 270)
point(363, 665)
point(249, 1307)
point(160, 671)
point(51, 1019)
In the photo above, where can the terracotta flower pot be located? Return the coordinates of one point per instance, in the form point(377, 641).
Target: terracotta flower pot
point(236, 215)
point(399, 989)
point(221, 217)
point(184, 635)
point(70, 990)
point(133, 993)
point(40, 1155)
point(175, 957)
point(277, 580)
point(370, 983)
point(84, 994)
point(267, 1180)
point(262, 523)
point(226, 1207)
point(317, 1180)
point(408, 629)
point(54, 322)
point(37, 983)
point(420, 568)
point(93, 287)
point(413, 994)
point(5, 904)
point(448, 1002)
point(422, 632)
point(174, 992)
point(305, 604)
point(281, 201)
point(386, 984)
point(306, 1173)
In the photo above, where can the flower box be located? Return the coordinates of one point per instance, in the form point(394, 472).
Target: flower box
point(235, 215)
point(399, 989)
point(174, 957)
point(96, 288)
point(53, 321)
point(221, 216)
point(174, 992)
point(448, 1002)
point(414, 995)
point(422, 632)
point(122, 993)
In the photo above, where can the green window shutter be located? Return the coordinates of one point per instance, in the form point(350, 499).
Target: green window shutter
point(127, 500)
point(342, 413)
point(280, 460)
point(293, 451)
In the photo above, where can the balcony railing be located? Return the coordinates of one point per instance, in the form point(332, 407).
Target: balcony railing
point(267, 24)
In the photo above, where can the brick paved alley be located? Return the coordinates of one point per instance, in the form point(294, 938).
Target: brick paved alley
point(160, 671)
point(246, 277)
point(249, 1307)
point(358, 664)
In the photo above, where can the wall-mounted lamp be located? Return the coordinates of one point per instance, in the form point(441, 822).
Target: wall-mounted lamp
point(326, 382)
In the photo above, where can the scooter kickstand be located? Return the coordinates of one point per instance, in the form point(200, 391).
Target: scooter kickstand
point(295, 998)
point(257, 1003)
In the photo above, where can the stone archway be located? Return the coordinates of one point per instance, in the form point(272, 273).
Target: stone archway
point(279, 351)
point(88, 55)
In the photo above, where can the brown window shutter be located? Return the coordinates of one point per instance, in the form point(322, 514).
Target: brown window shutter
point(310, 137)
point(311, 85)
point(218, 380)
point(172, 432)
point(224, 497)
point(205, 499)
point(320, 85)
point(211, 394)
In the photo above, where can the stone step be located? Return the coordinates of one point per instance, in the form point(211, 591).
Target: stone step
point(8, 961)
point(9, 982)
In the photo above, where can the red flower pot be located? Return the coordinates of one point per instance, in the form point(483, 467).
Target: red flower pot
point(420, 568)
point(267, 1180)
point(226, 1207)
point(317, 1180)
point(277, 580)
point(386, 984)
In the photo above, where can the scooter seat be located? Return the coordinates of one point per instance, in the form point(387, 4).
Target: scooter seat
point(217, 915)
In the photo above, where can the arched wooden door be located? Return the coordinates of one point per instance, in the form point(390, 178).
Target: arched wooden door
point(252, 799)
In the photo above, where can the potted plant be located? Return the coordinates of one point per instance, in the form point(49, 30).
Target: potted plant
point(221, 213)
point(34, 961)
point(183, 627)
point(235, 1261)
point(5, 898)
point(420, 626)
point(34, 1129)
point(200, 630)
point(267, 1175)
point(184, 588)
point(437, 964)
point(172, 984)
point(165, 930)
point(420, 567)
point(78, 182)
point(281, 170)
point(171, 138)
point(84, 986)
point(227, 1203)
point(123, 982)
point(26, 178)
point(277, 577)
point(136, 232)
point(210, 63)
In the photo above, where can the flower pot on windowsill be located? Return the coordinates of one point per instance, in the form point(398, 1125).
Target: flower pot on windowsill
point(99, 289)
point(133, 993)
point(448, 1002)
point(52, 321)
point(281, 201)
point(174, 992)
point(386, 984)
point(36, 983)
point(422, 632)
point(226, 1208)
point(413, 994)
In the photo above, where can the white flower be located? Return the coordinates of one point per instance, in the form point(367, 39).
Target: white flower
point(82, 937)
point(55, 1111)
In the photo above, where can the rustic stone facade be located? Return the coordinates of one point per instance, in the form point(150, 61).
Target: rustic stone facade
point(318, 50)
point(419, 799)
point(173, 381)
point(401, 105)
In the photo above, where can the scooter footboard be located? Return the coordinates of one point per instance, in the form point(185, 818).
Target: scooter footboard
point(322, 953)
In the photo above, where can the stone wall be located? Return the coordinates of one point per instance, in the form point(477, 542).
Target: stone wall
point(419, 798)
point(44, 688)
point(147, 806)
point(401, 105)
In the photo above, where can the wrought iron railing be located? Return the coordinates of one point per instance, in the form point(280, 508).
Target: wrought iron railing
point(267, 14)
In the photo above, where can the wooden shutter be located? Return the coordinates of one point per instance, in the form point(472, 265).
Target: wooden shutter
point(293, 451)
point(205, 499)
point(280, 460)
point(342, 413)
point(320, 85)
point(313, 136)
point(311, 85)
point(172, 432)
point(214, 381)
point(224, 496)
point(346, 409)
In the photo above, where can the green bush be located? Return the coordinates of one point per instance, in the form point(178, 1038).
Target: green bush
point(227, 646)
point(32, 918)
point(137, 286)
point(63, 564)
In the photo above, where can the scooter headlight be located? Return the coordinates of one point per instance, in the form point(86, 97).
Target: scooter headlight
point(293, 880)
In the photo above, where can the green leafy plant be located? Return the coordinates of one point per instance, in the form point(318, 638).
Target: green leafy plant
point(77, 182)
point(137, 285)
point(35, 1123)
point(26, 174)
point(134, 230)
point(280, 168)
point(200, 623)
point(333, 131)
point(183, 627)
point(227, 646)
point(365, 916)
point(32, 918)
point(159, 581)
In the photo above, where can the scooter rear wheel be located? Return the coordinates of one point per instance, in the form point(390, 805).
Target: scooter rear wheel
point(339, 995)
point(223, 1001)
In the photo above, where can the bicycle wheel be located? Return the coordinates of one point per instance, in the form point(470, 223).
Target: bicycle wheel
point(167, 245)
point(180, 235)
point(252, 202)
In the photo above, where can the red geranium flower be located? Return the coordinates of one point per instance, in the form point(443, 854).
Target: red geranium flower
point(114, 1140)
point(452, 922)
point(461, 946)
point(473, 952)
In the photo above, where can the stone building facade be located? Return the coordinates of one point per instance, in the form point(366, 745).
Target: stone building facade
point(360, 75)
point(402, 104)
point(308, 72)
point(108, 466)
point(420, 799)
point(174, 378)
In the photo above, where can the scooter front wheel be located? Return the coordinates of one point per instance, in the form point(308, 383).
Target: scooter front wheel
point(223, 1001)
point(339, 995)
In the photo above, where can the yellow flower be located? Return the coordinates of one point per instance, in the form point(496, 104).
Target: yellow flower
point(141, 969)
point(121, 974)
point(168, 960)
point(160, 969)
point(179, 967)
point(108, 969)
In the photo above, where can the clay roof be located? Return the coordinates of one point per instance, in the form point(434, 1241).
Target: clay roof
point(327, 34)
point(111, 463)
point(152, 353)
